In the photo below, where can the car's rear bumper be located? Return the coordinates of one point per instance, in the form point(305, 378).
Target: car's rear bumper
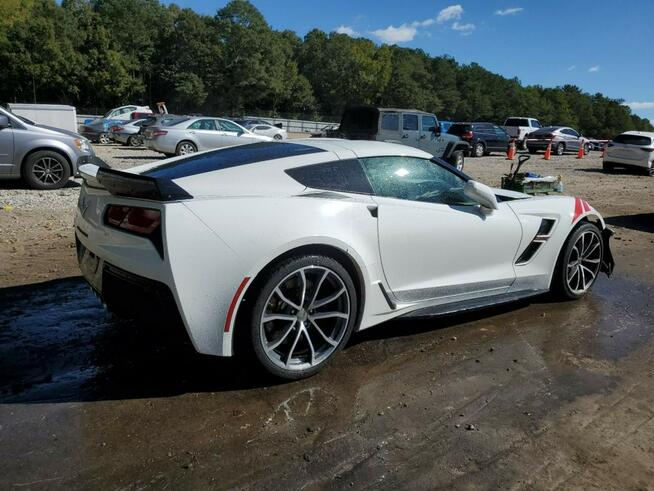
point(643, 163)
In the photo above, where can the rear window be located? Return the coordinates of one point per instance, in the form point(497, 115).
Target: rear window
point(229, 157)
point(459, 129)
point(516, 122)
point(360, 120)
point(342, 175)
point(633, 140)
point(390, 121)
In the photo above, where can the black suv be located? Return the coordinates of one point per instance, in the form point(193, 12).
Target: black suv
point(483, 138)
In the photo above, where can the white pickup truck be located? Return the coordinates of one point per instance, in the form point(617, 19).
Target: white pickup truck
point(519, 127)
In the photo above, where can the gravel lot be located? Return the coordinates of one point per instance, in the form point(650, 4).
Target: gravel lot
point(537, 395)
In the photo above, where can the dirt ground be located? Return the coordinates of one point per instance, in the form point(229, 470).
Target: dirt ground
point(538, 395)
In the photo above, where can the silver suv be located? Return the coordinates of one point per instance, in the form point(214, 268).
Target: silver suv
point(44, 157)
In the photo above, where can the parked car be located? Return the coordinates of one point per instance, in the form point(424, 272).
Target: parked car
point(267, 130)
point(326, 237)
point(563, 140)
point(250, 120)
point(483, 138)
point(44, 157)
point(634, 149)
point(191, 135)
point(445, 125)
point(405, 126)
point(98, 129)
point(128, 133)
point(519, 128)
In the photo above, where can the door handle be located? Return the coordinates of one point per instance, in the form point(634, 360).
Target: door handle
point(373, 210)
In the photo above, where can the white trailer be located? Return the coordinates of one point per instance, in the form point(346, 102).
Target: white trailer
point(55, 115)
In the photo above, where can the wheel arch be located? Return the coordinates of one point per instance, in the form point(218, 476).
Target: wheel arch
point(48, 149)
point(237, 337)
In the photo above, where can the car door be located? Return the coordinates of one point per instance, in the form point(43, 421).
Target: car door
point(205, 135)
point(389, 127)
point(6, 149)
point(410, 129)
point(233, 134)
point(572, 139)
point(434, 242)
point(430, 140)
point(502, 138)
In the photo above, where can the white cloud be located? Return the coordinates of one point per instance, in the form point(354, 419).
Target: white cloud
point(509, 11)
point(453, 12)
point(464, 29)
point(594, 68)
point(571, 67)
point(393, 34)
point(640, 105)
point(423, 23)
point(346, 30)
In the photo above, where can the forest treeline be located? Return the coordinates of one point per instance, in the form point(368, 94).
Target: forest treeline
point(98, 54)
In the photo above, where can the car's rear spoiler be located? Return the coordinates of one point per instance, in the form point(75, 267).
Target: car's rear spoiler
point(130, 185)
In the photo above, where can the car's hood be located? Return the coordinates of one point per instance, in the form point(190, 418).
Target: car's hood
point(60, 130)
point(505, 193)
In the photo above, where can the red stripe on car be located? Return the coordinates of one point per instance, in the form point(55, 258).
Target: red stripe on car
point(586, 206)
point(232, 305)
point(579, 210)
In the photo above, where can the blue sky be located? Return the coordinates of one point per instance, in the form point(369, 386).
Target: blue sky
point(600, 46)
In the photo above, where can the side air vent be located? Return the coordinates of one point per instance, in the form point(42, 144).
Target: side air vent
point(529, 252)
point(546, 226)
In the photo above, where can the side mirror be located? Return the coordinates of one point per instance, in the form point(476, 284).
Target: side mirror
point(4, 122)
point(437, 129)
point(481, 193)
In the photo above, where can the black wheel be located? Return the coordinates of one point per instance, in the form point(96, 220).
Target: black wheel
point(579, 262)
point(46, 170)
point(649, 171)
point(559, 149)
point(103, 139)
point(457, 159)
point(303, 313)
point(608, 167)
point(532, 151)
point(185, 148)
point(479, 149)
point(277, 137)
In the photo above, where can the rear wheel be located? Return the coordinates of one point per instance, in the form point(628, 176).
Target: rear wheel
point(303, 314)
point(479, 149)
point(104, 139)
point(133, 141)
point(579, 262)
point(185, 148)
point(46, 170)
point(277, 136)
point(457, 160)
point(649, 171)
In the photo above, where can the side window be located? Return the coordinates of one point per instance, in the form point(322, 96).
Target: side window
point(410, 122)
point(114, 113)
point(535, 124)
point(499, 131)
point(228, 126)
point(414, 179)
point(342, 175)
point(202, 124)
point(428, 123)
point(390, 121)
point(261, 127)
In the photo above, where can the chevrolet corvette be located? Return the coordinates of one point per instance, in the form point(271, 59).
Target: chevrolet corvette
point(284, 249)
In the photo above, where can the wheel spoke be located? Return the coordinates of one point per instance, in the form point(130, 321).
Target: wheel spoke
point(329, 299)
point(285, 299)
point(329, 315)
point(278, 317)
point(590, 272)
point(297, 337)
point(592, 250)
point(320, 331)
point(304, 287)
point(580, 278)
point(313, 351)
point(274, 344)
point(315, 293)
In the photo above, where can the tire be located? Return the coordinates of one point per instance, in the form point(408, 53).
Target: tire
point(608, 167)
point(457, 159)
point(649, 171)
point(532, 151)
point(574, 278)
point(478, 150)
point(559, 149)
point(523, 145)
point(277, 136)
point(104, 139)
point(293, 347)
point(586, 149)
point(46, 170)
point(133, 141)
point(185, 148)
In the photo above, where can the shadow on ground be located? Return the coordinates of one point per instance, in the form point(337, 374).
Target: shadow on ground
point(643, 222)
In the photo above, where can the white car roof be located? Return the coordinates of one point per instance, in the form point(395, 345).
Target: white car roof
point(639, 133)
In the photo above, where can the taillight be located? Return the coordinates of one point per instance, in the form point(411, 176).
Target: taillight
point(116, 128)
point(143, 221)
point(468, 135)
point(159, 132)
point(647, 149)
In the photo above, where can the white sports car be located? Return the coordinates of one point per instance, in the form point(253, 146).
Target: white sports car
point(288, 248)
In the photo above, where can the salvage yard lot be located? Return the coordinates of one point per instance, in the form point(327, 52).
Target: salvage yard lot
point(536, 395)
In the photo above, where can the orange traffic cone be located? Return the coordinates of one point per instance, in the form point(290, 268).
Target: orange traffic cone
point(580, 153)
point(548, 151)
point(510, 152)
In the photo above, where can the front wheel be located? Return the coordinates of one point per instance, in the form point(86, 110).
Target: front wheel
point(303, 314)
point(277, 136)
point(103, 139)
point(186, 148)
point(457, 160)
point(579, 262)
point(559, 149)
point(479, 149)
point(46, 170)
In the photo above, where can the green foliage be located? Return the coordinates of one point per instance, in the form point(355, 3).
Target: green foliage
point(97, 54)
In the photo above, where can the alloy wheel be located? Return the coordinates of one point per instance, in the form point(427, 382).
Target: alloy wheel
point(305, 318)
point(48, 170)
point(186, 148)
point(584, 262)
point(104, 139)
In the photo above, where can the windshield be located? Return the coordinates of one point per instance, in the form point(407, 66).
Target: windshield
point(516, 122)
